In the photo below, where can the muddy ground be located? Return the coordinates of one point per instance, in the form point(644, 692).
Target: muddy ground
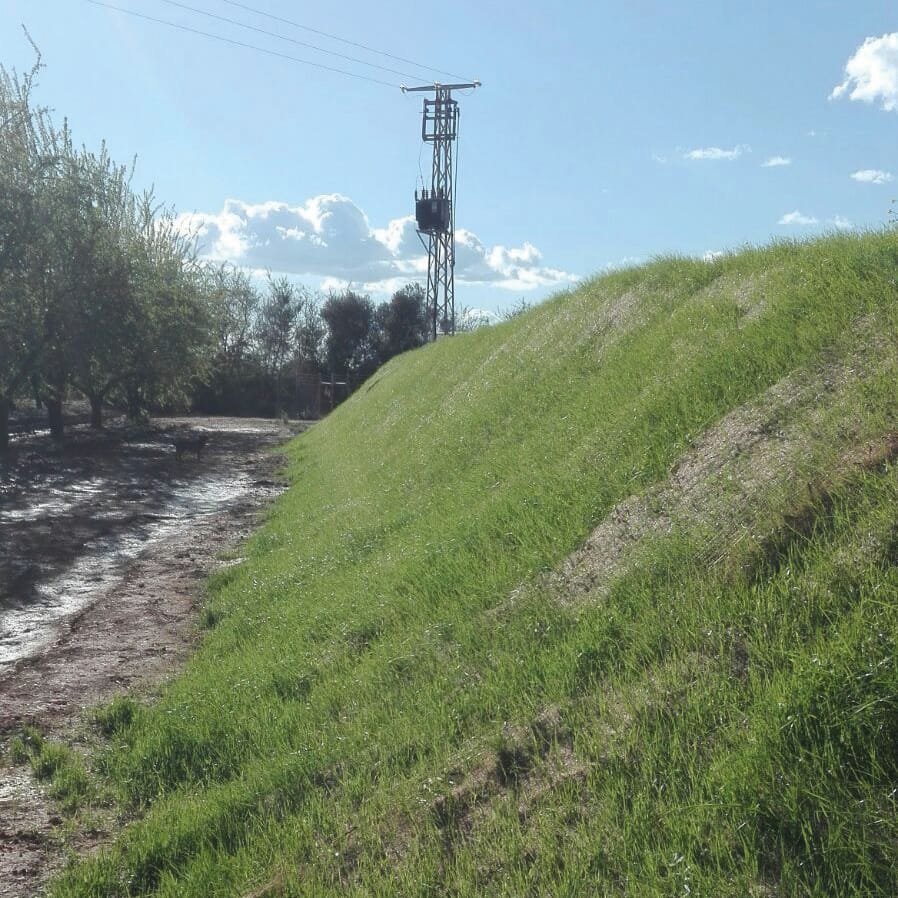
point(104, 542)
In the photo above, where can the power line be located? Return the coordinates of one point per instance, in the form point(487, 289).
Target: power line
point(334, 37)
point(228, 40)
point(291, 40)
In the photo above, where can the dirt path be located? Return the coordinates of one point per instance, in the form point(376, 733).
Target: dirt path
point(103, 543)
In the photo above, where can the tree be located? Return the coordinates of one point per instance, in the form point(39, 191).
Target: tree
point(99, 288)
point(102, 292)
point(275, 331)
point(308, 357)
point(311, 332)
point(234, 304)
point(350, 344)
point(28, 150)
point(234, 379)
point(170, 321)
point(402, 322)
point(59, 272)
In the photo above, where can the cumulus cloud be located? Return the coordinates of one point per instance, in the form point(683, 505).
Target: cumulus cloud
point(872, 176)
point(840, 222)
point(713, 153)
point(871, 75)
point(776, 162)
point(712, 255)
point(797, 218)
point(330, 237)
point(474, 318)
point(328, 234)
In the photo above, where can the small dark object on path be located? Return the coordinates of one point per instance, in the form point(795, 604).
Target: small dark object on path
point(190, 444)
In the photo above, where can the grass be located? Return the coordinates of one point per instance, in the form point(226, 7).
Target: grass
point(57, 765)
point(398, 695)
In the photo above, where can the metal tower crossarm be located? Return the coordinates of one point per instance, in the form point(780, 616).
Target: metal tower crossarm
point(437, 86)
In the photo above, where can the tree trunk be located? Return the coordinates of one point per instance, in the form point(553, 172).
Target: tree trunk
point(54, 413)
point(4, 424)
point(96, 411)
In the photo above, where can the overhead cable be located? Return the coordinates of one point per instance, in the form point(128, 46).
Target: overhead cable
point(236, 43)
point(342, 40)
point(283, 37)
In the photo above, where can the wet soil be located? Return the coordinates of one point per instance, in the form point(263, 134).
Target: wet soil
point(104, 542)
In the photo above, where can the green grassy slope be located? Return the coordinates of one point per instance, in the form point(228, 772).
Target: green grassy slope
point(406, 689)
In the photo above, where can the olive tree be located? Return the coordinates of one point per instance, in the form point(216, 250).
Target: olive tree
point(102, 296)
point(168, 325)
point(28, 154)
point(80, 277)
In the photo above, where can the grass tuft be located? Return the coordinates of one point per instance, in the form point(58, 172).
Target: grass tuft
point(115, 718)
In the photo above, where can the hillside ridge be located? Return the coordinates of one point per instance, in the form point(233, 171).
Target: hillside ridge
point(595, 601)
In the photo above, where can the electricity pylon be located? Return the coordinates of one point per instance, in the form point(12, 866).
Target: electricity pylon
point(435, 208)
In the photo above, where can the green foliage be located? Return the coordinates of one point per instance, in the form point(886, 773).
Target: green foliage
point(116, 717)
point(18, 751)
point(25, 745)
point(407, 691)
point(272, 350)
point(350, 346)
point(276, 323)
point(70, 784)
point(99, 287)
point(28, 148)
point(360, 337)
point(55, 763)
point(32, 739)
point(51, 758)
point(402, 322)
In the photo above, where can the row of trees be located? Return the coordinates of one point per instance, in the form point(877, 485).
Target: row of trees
point(274, 346)
point(101, 293)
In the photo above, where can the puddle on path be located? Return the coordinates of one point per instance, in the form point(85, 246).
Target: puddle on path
point(69, 530)
point(24, 630)
point(59, 500)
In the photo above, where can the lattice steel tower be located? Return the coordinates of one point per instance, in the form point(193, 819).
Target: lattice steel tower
point(435, 208)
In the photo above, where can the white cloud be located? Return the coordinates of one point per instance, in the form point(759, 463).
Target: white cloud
point(796, 218)
point(871, 75)
point(330, 237)
point(329, 234)
point(712, 255)
point(776, 162)
point(474, 318)
point(399, 236)
point(703, 153)
point(872, 176)
point(840, 222)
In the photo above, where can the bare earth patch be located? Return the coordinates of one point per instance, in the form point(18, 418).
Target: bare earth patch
point(103, 545)
point(733, 484)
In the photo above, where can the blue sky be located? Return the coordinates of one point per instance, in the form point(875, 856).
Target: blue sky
point(604, 133)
